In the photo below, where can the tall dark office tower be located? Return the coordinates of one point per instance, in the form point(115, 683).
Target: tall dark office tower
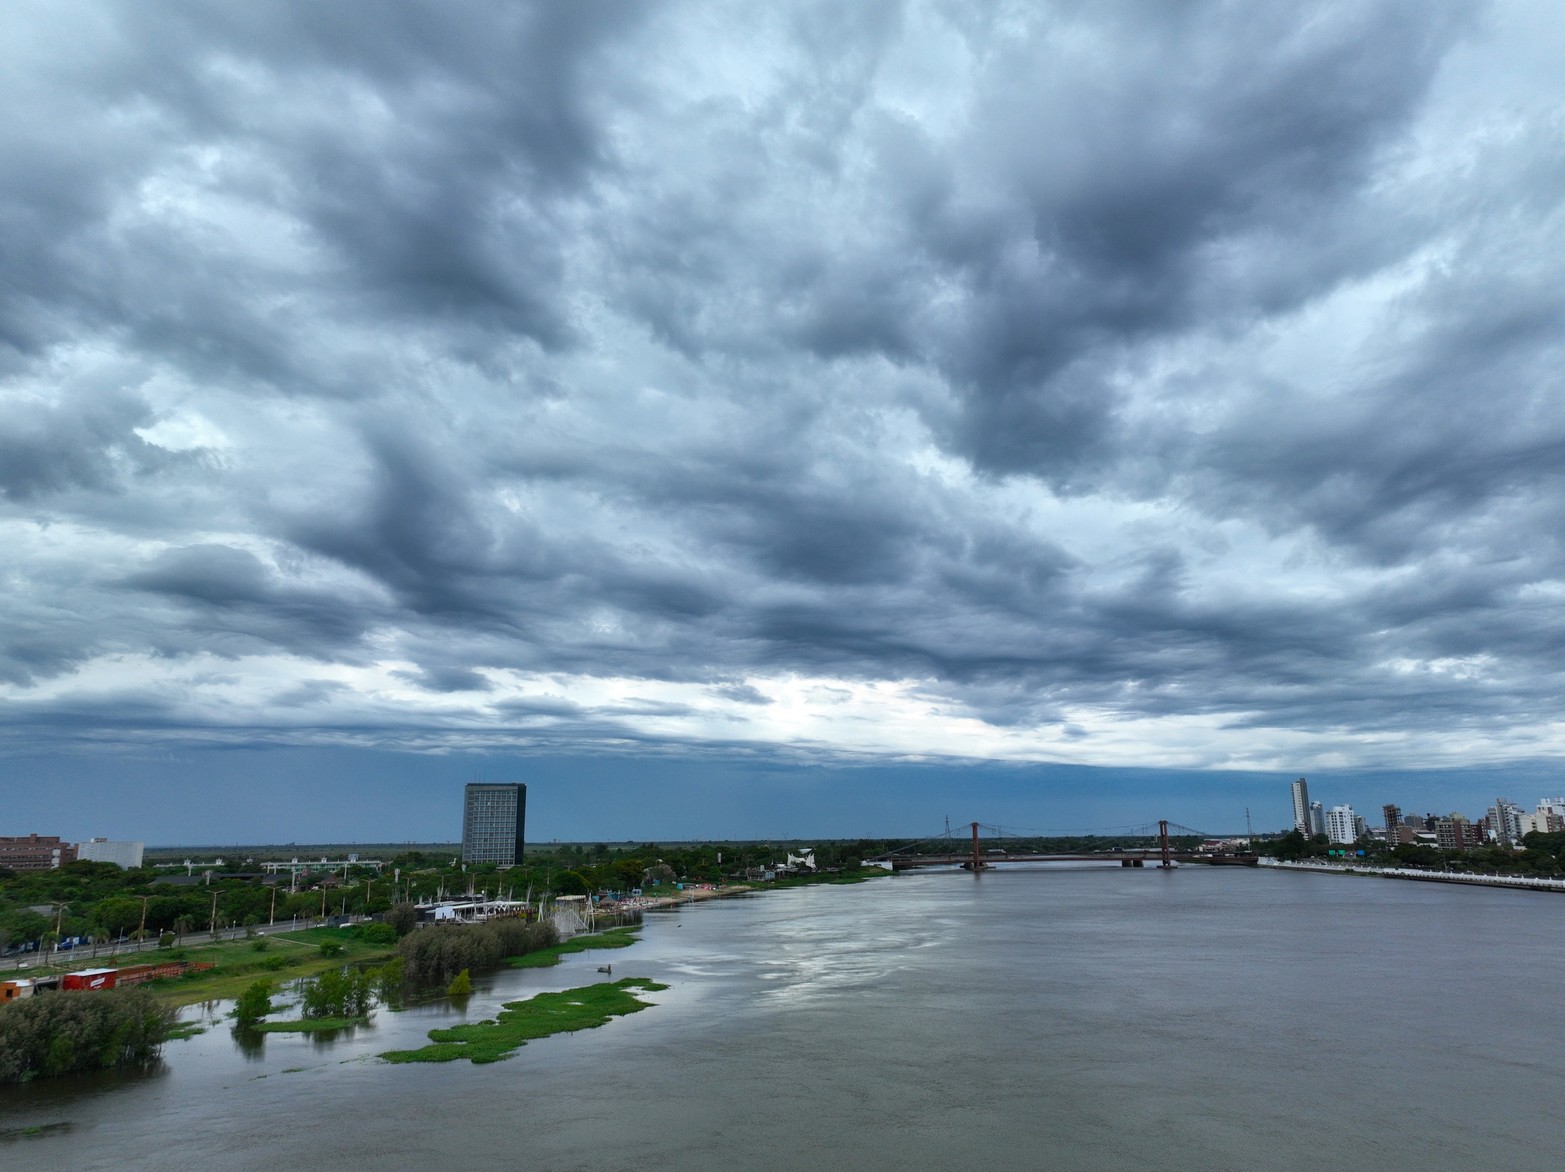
point(494, 822)
point(1301, 808)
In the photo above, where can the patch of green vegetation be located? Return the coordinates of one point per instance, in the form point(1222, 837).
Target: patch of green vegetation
point(538, 1017)
point(188, 1030)
point(308, 1025)
point(35, 1131)
point(298, 954)
point(547, 957)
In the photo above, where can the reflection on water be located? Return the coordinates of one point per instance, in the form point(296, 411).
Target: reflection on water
point(1024, 1018)
point(251, 1044)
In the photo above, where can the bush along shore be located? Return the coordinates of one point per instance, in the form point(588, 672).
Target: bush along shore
point(67, 1033)
point(434, 955)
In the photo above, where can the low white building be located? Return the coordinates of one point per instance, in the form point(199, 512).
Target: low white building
point(123, 854)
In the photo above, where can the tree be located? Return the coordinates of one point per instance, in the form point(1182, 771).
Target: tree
point(339, 993)
point(461, 985)
point(403, 918)
point(659, 872)
point(253, 1004)
point(629, 871)
point(1291, 846)
point(119, 915)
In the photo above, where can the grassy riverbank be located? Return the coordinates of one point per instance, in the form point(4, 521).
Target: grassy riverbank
point(547, 957)
point(538, 1017)
point(238, 963)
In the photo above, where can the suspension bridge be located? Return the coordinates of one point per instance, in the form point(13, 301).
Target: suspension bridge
point(979, 853)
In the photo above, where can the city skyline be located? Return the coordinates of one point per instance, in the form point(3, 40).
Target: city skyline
point(843, 416)
point(419, 799)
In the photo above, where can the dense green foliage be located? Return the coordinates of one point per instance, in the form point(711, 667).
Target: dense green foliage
point(105, 902)
point(101, 901)
point(522, 1021)
point(402, 918)
point(435, 954)
point(253, 1004)
point(461, 985)
point(62, 1033)
point(344, 992)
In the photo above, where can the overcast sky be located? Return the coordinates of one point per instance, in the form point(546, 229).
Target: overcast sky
point(862, 412)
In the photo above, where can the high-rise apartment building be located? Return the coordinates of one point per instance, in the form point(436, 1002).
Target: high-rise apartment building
point(1317, 819)
point(1301, 807)
point(1342, 824)
point(1455, 833)
point(1549, 818)
point(494, 822)
point(1505, 821)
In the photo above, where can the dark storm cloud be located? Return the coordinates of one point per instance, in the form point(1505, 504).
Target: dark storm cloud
point(447, 679)
point(236, 599)
point(584, 374)
point(85, 440)
point(740, 693)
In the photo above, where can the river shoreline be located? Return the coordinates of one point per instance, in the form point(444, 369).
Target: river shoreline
point(1515, 882)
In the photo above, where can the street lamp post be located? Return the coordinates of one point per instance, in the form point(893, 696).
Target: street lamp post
point(59, 913)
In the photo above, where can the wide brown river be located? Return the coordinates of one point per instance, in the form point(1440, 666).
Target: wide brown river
point(1061, 1018)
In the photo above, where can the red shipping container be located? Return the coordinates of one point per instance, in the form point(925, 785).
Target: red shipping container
point(90, 979)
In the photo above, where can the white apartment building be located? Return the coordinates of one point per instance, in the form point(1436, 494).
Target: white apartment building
point(1342, 824)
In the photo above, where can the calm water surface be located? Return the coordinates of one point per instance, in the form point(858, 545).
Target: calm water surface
point(1062, 1018)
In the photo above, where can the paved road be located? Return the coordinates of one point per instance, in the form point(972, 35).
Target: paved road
point(90, 956)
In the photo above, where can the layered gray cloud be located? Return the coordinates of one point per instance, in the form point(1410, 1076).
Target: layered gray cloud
point(1129, 383)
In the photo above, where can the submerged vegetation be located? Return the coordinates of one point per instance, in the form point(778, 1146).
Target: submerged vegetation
point(308, 1025)
point(63, 1033)
point(523, 1021)
point(552, 954)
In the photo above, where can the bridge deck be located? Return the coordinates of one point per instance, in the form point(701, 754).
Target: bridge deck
point(913, 862)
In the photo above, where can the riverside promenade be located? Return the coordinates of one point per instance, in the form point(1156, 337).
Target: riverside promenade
point(1520, 882)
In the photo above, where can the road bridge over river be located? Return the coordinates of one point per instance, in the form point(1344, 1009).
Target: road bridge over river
point(977, 857)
